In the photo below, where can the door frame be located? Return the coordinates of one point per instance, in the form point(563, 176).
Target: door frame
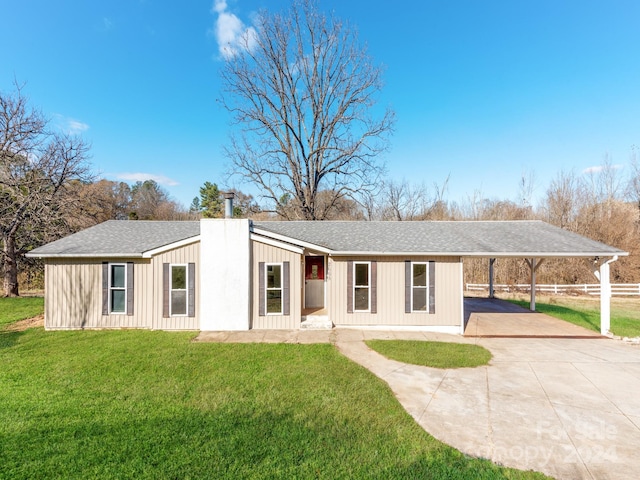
point(324, 281)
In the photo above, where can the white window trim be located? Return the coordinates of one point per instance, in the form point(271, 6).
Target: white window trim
point(368, 287)
point(267, 289)
point(186, 289)
point(426, 287)
point(111, 288)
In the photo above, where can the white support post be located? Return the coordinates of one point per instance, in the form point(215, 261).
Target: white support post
point(605, 299)
point(534, 263)
point(605, 296)
point(491, 289)
point(461, 274)
point(532, 303)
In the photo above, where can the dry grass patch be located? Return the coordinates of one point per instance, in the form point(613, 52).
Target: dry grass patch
point(22, 325)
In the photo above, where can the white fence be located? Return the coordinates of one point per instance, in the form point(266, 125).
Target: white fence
point(587, 288)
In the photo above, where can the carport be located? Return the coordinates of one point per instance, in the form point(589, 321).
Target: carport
point(495, 318)
point(534, 242)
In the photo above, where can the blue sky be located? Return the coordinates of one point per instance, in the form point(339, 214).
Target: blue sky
point(483, 91)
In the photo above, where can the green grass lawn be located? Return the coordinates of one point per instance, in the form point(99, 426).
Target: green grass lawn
point(625, 313)
point(432, 354)
point(142, 404)
point(19, 308)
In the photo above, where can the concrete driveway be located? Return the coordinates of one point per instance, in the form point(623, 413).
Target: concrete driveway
point(569, 408)
point(566, 407)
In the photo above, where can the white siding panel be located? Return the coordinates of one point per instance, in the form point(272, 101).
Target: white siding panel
point(267, 253)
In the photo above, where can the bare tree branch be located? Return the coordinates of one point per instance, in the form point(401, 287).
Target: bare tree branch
point(36, 171)
point(302, 93)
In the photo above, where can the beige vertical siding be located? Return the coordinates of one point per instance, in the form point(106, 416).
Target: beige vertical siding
point(266, 253)
point(73, 295)
point(183, 255)
point(391, 291)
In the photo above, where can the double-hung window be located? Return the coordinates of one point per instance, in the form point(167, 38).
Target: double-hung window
point(361, 286)
point(419, 287)
point(178, 291)
point(118, 288)
point(273, 282)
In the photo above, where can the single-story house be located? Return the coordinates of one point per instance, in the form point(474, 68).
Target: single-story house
point(238, 274)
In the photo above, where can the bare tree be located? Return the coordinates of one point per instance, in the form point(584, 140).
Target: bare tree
point(633, 187)
point(563, 200)
point(473, 206)
point(302, 90)
point(404, 201)
point(526, 189)
point(36, 167)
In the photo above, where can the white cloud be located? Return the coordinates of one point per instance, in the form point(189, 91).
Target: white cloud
point(70, 126)
point(141, 177)
point(600, 168)
point(232, 35)
point(74, 126)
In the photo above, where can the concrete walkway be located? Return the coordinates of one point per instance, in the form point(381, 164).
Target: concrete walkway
point(569, 408)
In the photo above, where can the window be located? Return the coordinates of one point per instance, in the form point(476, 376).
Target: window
point(273, 289)
point(361, 284)
point(118, 288)
point(178, 291)
point(419, 287)
point(273, 284)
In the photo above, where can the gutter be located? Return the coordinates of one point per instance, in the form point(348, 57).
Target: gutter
point(482, 254)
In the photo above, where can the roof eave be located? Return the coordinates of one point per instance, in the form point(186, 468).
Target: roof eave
point(83, 255)
point(291, 240)
point(171, 246)
point(277, 243)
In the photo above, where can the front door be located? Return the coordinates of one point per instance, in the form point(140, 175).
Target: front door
point(314, 282)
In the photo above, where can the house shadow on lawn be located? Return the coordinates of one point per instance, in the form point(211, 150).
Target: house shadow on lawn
point(10, 334)
point(9, 338)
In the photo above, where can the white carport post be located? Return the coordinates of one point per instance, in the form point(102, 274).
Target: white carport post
point(605, 295)
point(534, 263)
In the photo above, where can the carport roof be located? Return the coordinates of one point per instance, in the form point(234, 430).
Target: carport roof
point(456, 238)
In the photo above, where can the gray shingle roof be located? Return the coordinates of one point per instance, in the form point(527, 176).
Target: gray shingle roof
point(119, 238)
point(479, 238)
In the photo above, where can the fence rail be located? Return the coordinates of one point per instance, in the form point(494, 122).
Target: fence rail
point(588, 288)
